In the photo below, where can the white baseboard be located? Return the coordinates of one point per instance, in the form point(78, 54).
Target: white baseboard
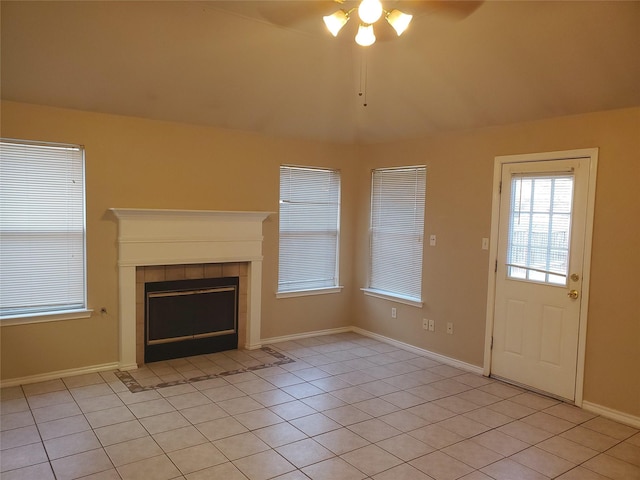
point(12, 382)
point(610, 413)
point(299, 336)
point(421, 351)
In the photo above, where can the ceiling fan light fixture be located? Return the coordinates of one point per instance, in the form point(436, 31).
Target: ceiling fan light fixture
point(365, 36)
point(336, 21)
point(398, 20)
point(370, 11)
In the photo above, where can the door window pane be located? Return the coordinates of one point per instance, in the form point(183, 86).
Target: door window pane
point(539, 226)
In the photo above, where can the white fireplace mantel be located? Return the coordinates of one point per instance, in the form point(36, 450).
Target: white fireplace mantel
point(173, 237)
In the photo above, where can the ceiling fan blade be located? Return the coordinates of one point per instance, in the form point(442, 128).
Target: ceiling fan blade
point(288, 13)
point(452, 8)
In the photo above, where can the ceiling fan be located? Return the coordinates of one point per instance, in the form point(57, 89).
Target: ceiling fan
point(336, 14)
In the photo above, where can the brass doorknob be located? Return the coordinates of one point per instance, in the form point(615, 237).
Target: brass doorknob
point(573, 294)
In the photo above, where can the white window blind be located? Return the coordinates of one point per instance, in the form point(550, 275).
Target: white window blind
point(397, 231)
point(42, 228)
point(309, 228)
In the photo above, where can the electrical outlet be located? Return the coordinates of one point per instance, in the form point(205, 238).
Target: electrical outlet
point(425, 324)
point(432, 325)
point(485, 244)
point(432, 240)
point(450, 328)
point(394, 312)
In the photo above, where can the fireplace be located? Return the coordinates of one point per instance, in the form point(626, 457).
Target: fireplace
point(190, 317)
point(161, 245)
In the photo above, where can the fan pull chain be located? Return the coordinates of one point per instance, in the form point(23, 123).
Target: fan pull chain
point(363, 78)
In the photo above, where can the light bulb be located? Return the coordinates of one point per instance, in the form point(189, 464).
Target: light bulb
point(399, 21)
point(365, 36)
point(336, 21)
point(370, 11)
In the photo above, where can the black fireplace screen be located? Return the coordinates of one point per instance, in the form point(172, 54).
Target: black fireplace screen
point(190, 317)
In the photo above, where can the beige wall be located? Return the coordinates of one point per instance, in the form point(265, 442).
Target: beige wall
point(458, 211)
point(148, 164)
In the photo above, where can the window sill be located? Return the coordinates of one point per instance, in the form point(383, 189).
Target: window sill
point(305, 293)
point(45, 317)
point(393, 297)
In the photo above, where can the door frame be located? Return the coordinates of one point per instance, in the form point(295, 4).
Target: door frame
point(499, 161)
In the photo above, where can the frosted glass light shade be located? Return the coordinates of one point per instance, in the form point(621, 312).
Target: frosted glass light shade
point(365, 36)
point(399, 21)
point(370, 11)
point(336, 21)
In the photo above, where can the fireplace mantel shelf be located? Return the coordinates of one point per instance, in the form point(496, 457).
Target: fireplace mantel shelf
point(133, 213)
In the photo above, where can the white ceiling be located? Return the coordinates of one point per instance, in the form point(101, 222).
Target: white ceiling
point(226, 64)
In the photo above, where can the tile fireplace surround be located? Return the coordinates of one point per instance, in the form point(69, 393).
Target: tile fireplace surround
point(150, 237)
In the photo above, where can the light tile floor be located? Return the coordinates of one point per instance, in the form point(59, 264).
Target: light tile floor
point(348, 407)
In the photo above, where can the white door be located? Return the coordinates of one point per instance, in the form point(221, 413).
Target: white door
point(539, 273)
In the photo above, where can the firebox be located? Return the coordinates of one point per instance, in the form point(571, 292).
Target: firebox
point(190, 317)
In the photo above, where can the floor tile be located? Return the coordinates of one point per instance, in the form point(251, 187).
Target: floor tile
point(315, 424)
point(627, 452)
point(22, 456)
point(402, 472)
point(304, 452)
point(279, 434)
point(220, 428)
point(258, 419)
point(133, 451)
point(341, 441)
point(292, 410)
point(436, 436)
point(154, 468)
point(196, 458)
point(63, 426)
point(347, 415)
point(81, 464)
point(16, 420)
point(203, 413)
point(71, 444)
point(19, 437)
point(590, 438)
point(405, 447)
point(610, 428)
point(371, 459)
point(441, 466)
point(374, 430)
point(224, 471)
point(612, 467)
point(41, 471)
point(507, 469)
point(241, 445)
point(472, 454)
point(109, 416)
point(543, 462)
point(120, 432)
point(333, 469)
point(264, 465)
point(564, 448)
point(55, 412)
point(179, 438)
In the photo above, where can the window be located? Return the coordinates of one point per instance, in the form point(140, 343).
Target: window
point(309, 229)
point(42, 229)
point(539, 228)
point(397, 233)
